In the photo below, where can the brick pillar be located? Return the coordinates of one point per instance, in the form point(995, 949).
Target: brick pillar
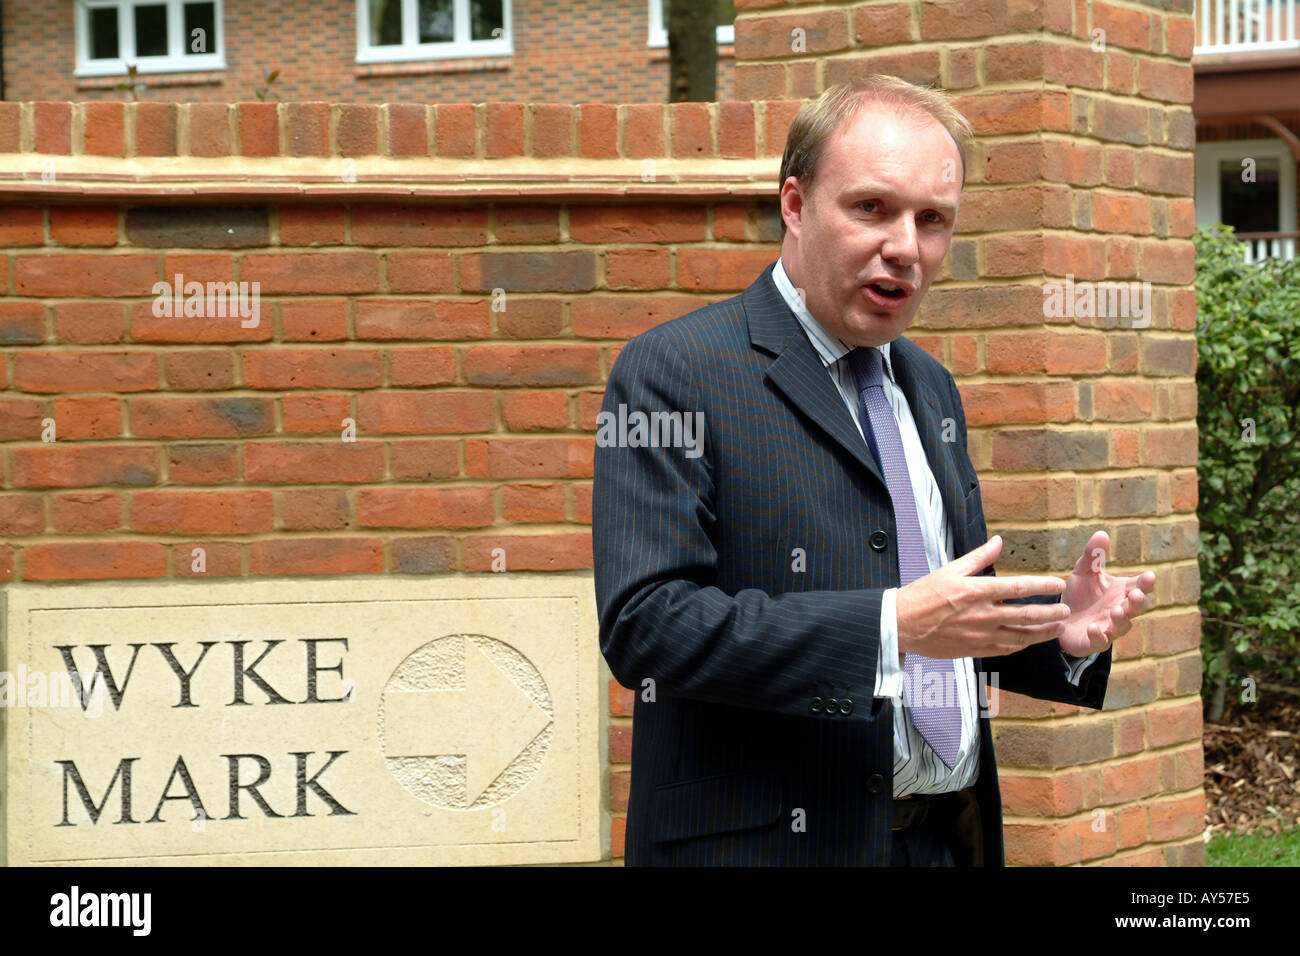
point(1083, 169)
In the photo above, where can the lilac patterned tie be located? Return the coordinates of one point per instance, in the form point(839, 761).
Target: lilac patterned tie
point(940, 724)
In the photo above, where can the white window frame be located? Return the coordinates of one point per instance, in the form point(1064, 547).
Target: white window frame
point(175, 62)
point(1209, 156)
point(659, 31)
point(460, 46)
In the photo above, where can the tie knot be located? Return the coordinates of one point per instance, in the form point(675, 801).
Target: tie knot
point(866, 363)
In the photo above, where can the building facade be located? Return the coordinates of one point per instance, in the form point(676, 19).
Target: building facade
point(1247, 105)
point(351, 51)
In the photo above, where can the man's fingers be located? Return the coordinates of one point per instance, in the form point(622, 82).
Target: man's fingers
point(1029, 615)
point(1055, 628)
point(976, 560)
point(999, 649)
point(1037, 622)
point(1100, 541)
point(1017, 638)
point(1026, 585)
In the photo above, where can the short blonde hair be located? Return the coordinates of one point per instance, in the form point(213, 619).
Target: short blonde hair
point(835, 108)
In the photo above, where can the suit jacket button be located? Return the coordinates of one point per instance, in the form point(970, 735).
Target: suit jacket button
point(846, 706)
point(879, 540)
point(832, 706)
point(816, 705)
point(875, 784)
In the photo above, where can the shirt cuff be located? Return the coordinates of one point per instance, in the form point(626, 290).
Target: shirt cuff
point(1074, 668)
point(889, 675)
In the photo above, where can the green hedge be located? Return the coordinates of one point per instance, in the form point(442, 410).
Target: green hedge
point(1248, 330)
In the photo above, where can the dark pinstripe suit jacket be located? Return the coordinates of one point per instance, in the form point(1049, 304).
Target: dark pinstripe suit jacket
point(699, 593)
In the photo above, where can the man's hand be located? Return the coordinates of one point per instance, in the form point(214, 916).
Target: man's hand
point(1101, 606)
point(953, 612)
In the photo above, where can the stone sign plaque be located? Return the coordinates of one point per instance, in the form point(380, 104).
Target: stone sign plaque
point(449, 720)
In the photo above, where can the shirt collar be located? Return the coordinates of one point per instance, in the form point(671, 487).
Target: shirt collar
point(830, 348)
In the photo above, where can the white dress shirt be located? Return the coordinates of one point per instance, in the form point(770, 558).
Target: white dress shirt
point(917, 768)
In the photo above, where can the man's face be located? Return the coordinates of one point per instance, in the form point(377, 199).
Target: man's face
point(882, 208)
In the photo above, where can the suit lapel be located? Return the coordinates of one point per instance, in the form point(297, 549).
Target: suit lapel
point(799, 374)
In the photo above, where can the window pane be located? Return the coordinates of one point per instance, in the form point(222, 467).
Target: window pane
point(103, 33)
point(151, 30)
point(385, 22)
point(436, 20)
point(1250, 207)
point(484, 17)
point(201, 17)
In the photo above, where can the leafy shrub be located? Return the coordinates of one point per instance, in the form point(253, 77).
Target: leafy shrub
point(1248, 375)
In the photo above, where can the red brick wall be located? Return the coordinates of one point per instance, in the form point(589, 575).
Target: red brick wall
point(564, 52)
point(473, 427)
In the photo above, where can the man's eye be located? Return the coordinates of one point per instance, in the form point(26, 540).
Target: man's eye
point(866, 202)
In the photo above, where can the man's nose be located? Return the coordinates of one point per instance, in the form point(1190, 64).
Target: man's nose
point(901, 244)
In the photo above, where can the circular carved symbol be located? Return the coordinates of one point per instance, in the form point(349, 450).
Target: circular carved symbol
point(465, 722)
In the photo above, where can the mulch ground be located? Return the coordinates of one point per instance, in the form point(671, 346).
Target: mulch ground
point(1252, 766)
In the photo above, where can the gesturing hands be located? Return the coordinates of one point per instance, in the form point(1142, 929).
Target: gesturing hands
point(956, 612)
point(1101, 606)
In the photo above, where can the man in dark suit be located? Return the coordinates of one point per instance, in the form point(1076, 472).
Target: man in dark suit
point(791, 563)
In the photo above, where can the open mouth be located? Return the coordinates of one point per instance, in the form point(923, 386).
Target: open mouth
point(888, 290)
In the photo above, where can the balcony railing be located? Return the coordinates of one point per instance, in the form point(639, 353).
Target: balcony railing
point(1246, 26)
point(1268, 245)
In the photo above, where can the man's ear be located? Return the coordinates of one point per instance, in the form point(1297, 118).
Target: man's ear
point(792, 201)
